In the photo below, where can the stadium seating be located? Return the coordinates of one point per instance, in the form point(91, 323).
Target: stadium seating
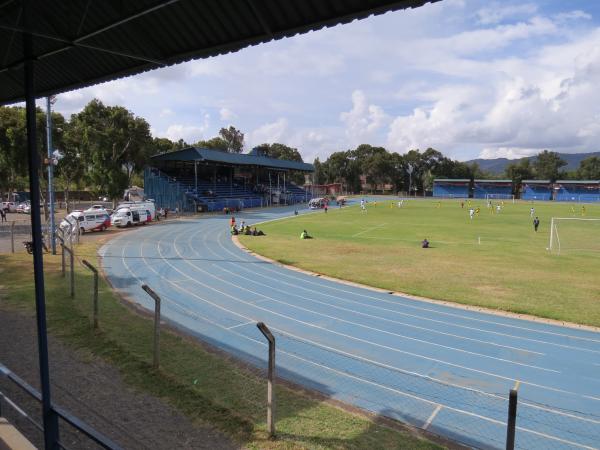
point(536, 192)
point(450, 190)
point(215, 196)
point(572, 192)
point(492, 190)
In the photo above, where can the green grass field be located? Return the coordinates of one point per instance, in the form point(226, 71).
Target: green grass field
point(495, 260)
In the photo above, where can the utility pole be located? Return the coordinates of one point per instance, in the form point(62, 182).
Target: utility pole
point(49, 102)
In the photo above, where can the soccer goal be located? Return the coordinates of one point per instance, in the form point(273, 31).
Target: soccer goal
point(574, 234)
point(500, 197)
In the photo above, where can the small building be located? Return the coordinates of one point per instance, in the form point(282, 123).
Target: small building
point(536, 190)
point(451, 188)
point(577, 191)
point(492, 189)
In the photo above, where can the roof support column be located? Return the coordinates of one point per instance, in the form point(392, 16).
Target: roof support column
point(50, 419)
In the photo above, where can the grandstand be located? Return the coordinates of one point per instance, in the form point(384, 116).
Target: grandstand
point(577, 191)
point(451, 188)
point(200, 179)
point(536, 190)
point(500, 189)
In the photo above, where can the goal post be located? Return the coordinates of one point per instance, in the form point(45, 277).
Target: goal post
point(574, 234)
point(500, 197)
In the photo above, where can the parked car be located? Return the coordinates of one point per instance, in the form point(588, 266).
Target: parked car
point(87, 221)
point(21, 207)
point(9, 207)
point(126, 217)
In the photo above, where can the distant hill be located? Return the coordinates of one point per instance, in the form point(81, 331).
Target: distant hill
point(498, 165)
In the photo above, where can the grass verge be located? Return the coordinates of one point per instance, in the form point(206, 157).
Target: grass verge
point(496, 260)
point(206, 386)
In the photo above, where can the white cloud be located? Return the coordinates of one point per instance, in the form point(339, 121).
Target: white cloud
point(166, 112)
point(507, 152)
point(226, 114)
point(572, 15)
point(364, 120)
point(269, 133)
point(496, 13)
point(189, 133)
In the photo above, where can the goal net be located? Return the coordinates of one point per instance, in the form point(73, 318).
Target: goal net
point(574, 235)
point(500, 197)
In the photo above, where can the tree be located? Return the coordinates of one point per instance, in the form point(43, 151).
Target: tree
point(164, 145)
point(589, 169)
point(113, 143)
point(234, 139)
point(282, 151)
point(216, 143)
point(519, 171)
point(547, 165)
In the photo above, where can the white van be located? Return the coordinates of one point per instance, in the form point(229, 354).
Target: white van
point(126, 217)
point(146, 205)
point(87, 221)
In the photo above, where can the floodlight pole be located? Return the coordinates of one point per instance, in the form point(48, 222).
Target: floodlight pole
point(49, 101)
point(50, 418)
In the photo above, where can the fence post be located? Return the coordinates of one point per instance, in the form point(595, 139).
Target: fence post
point(62, 254)
point(512, 418)
point(270, 374)
point(12, 236)
point(95, 294)
point(156, 298)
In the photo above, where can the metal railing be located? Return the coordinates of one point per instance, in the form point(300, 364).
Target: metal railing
point(80, 425)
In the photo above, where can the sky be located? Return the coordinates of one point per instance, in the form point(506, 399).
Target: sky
point(470, 78)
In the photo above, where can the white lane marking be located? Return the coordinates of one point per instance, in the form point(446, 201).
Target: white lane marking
point(422, 341)
point(416, 355)
point(399, 303)
point(435, 311)
point(432, 416)
point(385, 319)
point(241, 325)
point(401, 392)
point(381, 225)
point(348, 354)
point(271, 287)
point(237, 286)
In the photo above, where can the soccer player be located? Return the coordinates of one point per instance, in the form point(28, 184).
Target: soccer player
point(536, 223)
point(583, 210)
point(471, 213)
point(498, 209)
point(532, 212)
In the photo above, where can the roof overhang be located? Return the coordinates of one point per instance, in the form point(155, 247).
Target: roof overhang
point(79, 43)
point(206, 155)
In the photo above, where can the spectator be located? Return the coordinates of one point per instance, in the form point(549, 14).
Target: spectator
point(2, 215)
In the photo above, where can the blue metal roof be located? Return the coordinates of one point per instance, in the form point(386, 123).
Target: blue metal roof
point(80, 43)
point(241, 159)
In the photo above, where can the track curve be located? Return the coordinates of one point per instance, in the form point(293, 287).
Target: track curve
point(436, 367)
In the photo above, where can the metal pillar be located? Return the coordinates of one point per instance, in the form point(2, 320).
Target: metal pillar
point(196, 175)
point(50, 419)
point(270, 376)
point(52, 232)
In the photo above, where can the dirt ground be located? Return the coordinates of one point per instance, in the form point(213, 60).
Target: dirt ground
point(94, 392)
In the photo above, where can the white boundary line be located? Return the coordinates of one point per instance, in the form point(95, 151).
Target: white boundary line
point(361, 379)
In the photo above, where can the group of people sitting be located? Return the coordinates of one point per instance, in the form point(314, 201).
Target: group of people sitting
point(244, 229)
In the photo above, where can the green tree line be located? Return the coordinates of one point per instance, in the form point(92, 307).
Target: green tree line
point(105, 148)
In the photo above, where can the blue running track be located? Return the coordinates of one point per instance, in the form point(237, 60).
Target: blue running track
point(444, 369)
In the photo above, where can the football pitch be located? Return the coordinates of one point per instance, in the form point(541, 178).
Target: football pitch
point(495, 260)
